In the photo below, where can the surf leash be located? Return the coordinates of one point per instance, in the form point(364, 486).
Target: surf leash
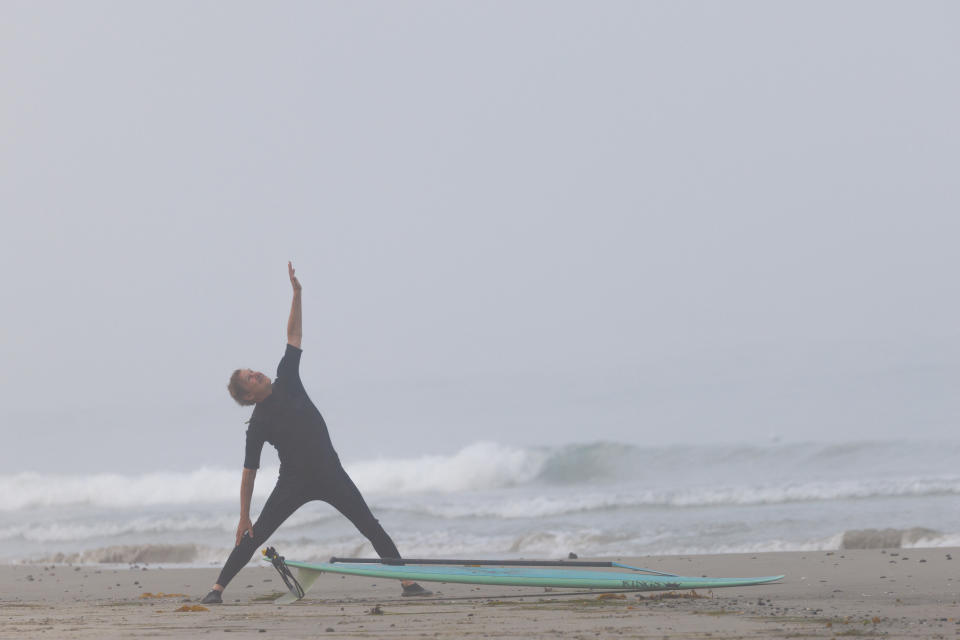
point(278, 563)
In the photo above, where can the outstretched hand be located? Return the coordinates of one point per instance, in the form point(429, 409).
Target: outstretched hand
point(294, 324)
point(293, 278)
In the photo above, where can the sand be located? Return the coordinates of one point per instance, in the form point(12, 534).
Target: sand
point(900, 593)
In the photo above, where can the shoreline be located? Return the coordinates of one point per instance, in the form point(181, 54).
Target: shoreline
point(903, 593)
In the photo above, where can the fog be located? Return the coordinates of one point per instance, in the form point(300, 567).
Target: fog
point(525, 222)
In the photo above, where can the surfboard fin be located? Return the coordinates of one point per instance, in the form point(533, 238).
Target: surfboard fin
point(297, 590)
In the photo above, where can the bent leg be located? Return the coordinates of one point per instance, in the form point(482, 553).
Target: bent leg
point(343, 495)
point(281, 504)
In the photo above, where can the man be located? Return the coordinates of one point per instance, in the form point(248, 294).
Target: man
point(285, 417)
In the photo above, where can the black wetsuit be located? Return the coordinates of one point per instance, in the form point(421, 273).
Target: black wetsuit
point(309, 467)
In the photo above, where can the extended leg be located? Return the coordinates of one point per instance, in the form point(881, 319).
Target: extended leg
point(281, 504)
point(346, 498)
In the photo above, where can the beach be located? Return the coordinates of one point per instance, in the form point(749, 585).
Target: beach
point(869, 593)
point(866, 534)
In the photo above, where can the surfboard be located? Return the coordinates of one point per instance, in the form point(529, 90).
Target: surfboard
point(308, 572)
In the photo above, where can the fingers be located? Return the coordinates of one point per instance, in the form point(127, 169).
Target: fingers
point(293, 277)
point(241, 531)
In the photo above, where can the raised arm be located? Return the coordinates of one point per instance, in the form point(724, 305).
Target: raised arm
point(295, 323)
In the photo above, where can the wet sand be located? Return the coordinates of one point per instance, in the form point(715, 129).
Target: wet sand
point(899, 593)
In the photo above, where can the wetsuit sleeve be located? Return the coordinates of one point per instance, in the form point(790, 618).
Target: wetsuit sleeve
point(255, 440)
point(289, 368)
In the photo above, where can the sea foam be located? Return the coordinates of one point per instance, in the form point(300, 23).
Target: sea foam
point(539, 544)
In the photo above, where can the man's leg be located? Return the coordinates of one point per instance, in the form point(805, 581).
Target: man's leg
point(342, 494)
point(281, 504)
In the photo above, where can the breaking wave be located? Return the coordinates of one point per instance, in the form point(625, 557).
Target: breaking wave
point(33, 490)
point(493, 500)
point(662, 477)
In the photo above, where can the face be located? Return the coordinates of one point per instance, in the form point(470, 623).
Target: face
point(255, 383)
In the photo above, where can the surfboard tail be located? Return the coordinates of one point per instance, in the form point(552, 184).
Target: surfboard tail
point(298, 585)
point(306, 578)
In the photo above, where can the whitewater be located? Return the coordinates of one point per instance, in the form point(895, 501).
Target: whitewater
point(496, 500)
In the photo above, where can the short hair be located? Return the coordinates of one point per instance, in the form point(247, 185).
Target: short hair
point(237, 390)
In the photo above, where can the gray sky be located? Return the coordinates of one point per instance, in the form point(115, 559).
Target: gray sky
point(529, 222)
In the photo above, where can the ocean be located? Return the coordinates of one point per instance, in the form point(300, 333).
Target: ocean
point(491, 500)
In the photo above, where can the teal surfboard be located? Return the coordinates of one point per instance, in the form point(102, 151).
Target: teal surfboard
point(308, 572)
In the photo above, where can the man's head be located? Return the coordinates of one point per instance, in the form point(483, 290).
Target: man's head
point(249, 387)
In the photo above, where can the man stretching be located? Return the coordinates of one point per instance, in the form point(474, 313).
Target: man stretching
point(309, 467)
